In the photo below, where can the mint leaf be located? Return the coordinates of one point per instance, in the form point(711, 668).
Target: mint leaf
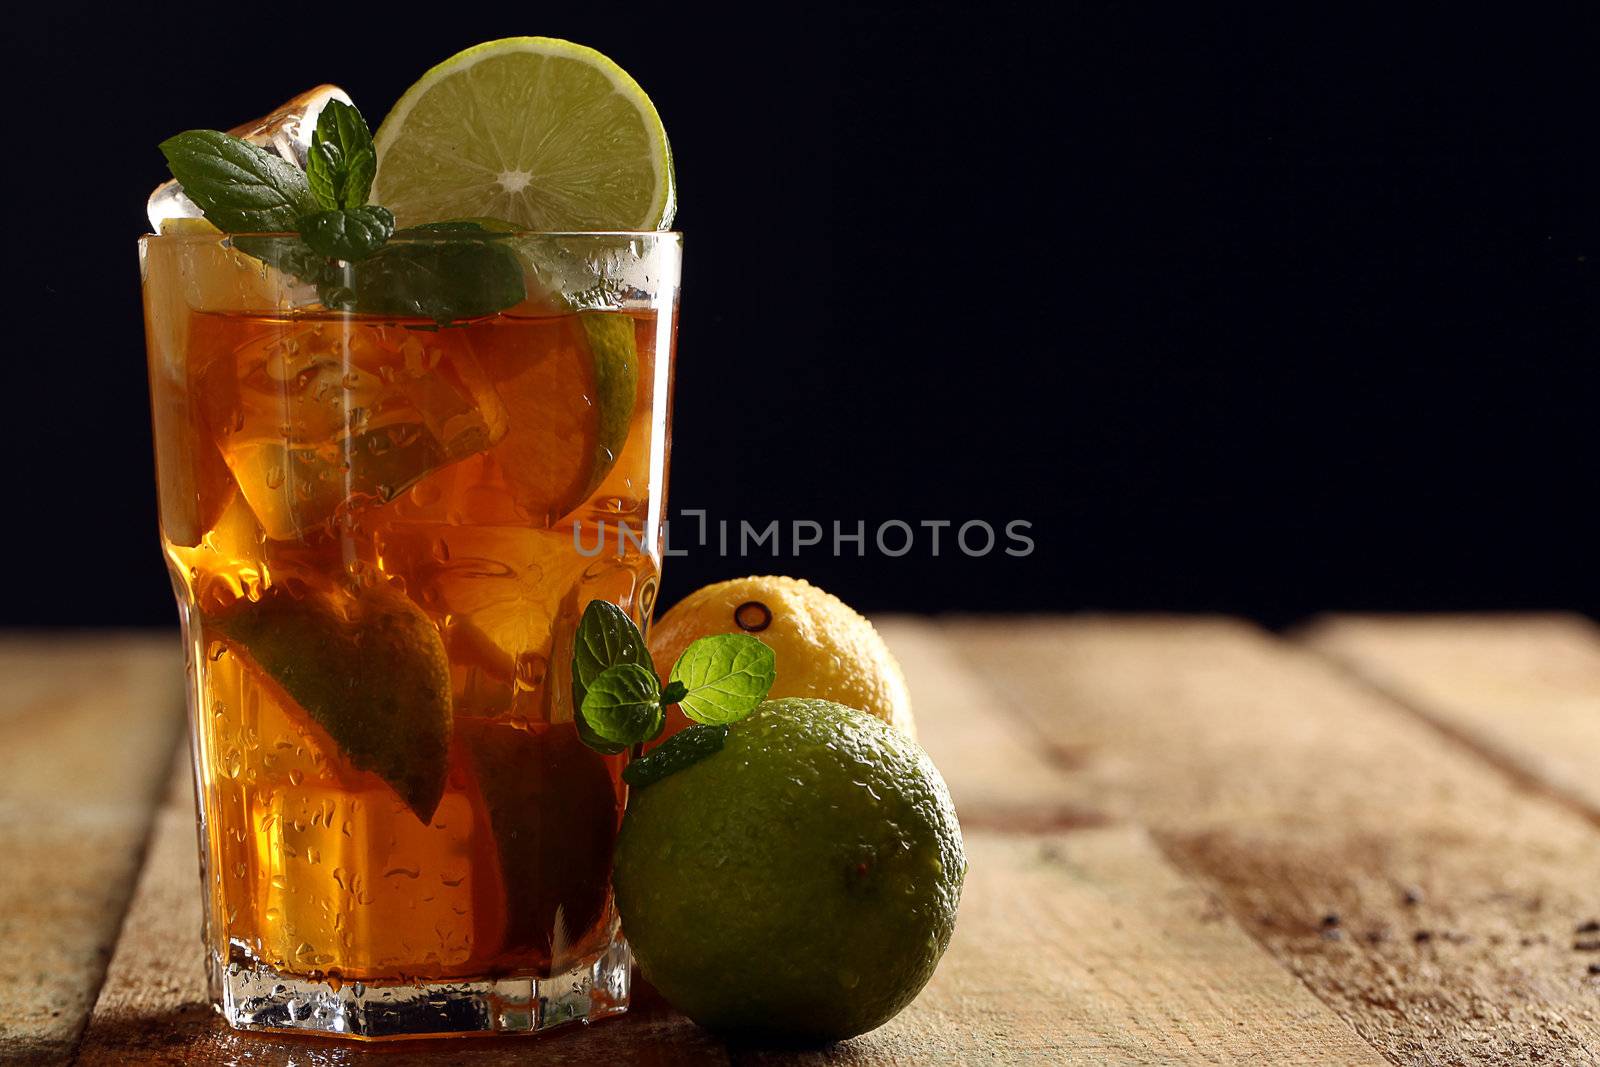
point(461, 278)
point(241, 188)
point(289, 254)
point(623, 704)
point(682, 749)
point(726, 676)
point(587, 735)
point(348, 234)
point(341, 163)
point(405, 279)
point(674, 692)
point(606, 637)
point(325, 173)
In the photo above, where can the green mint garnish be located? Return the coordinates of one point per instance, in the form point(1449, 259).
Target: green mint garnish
point(606, 637)
point(341, 163)
point(587, 735)
point(344, 247)
point(339, 170)
point(681, 750)
point(347, 233)
point(460, 278)
point(241, 188)
point(623, 705)
point(724, 676)
point(286, 252)
point(620, 702)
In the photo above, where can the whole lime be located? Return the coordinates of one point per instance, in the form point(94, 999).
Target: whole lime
point(801, 883)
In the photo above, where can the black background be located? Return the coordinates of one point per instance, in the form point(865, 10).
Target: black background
point(1268, 313)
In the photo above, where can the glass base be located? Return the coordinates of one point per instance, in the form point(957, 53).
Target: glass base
point(253, 996)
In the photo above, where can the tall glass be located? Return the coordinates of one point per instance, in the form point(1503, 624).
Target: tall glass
point(382, 529)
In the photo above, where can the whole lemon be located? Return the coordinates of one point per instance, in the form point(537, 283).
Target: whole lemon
point(824, 648)
point(799, 884)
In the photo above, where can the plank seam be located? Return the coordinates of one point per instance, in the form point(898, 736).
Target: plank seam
point(1201, 880)
point(1524, 778)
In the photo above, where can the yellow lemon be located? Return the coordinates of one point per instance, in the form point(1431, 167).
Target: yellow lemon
point(825, 649)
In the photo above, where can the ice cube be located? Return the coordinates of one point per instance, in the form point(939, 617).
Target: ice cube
point(287, 131)
point(329, 417)
point(601, 273)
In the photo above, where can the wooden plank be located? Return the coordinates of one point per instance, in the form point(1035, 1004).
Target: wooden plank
point(1418, 891)
point(1087, 947)
point(1522, 690)
point(997, 776)
point(87, 724)
point(1060, 915)
point(1083, 945)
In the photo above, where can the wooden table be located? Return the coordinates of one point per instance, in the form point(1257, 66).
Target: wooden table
point(1373, 840)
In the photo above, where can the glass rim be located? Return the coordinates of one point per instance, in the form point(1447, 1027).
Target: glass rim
point(439, 236)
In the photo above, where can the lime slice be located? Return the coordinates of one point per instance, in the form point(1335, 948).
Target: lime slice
point(370, 670)
point(547, 134)
point(569, 411)
point(183, 227)
point(616, 371)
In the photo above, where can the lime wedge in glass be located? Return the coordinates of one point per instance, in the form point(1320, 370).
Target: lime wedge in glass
point(369, 669)
point(547, 134)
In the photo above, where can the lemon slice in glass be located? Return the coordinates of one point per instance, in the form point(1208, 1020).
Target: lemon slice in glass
point(544, 133)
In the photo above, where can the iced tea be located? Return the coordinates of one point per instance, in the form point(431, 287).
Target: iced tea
point(381, 533)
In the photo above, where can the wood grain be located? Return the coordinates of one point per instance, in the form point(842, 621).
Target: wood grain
point(997, 776)
point(1085, 946)
point(1522, 690)
point(1081, 946)
point(1426, 896)
point(87, 724)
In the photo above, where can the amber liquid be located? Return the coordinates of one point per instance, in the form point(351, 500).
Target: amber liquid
point(318, 455)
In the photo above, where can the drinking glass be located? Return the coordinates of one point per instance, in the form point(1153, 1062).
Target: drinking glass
point(380, 524)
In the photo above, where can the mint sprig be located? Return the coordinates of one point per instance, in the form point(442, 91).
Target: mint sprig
point(619, 701)
point(344, 246)
point(339, 171)
point(606, 637)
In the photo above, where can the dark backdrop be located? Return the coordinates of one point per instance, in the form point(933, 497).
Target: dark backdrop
point(1265, 314)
